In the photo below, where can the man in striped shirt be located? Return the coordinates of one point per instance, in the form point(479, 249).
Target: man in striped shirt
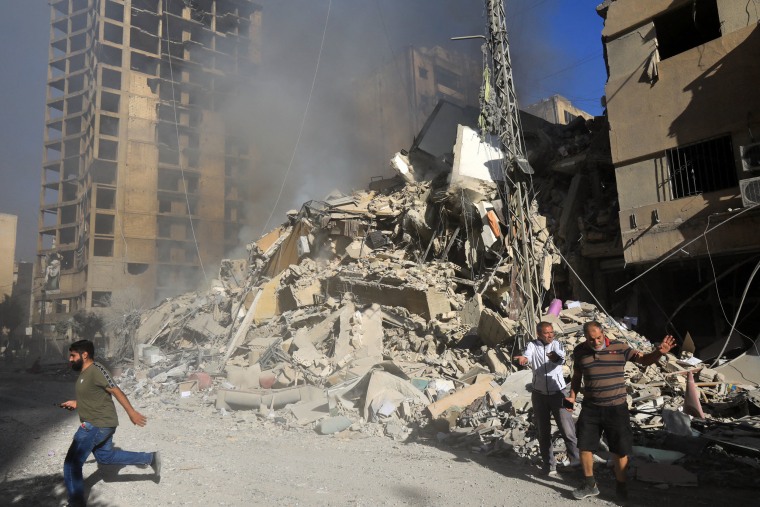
point(600, 365)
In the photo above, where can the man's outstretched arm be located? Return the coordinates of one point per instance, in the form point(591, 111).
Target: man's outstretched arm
point(134, 416)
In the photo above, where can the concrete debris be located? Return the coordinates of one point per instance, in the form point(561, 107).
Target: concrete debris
point(386, 311)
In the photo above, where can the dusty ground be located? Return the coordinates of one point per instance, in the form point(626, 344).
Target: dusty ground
point(239, 459)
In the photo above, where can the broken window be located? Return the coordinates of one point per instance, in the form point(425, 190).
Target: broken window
point(101, 299)
point(447, 78)
point(76, 63)
point(109, 125)
point(111, 78)
point(110, 55)
point(114, 11)
point(145, 5)
point(104, 172)
point(68, 214)
point(106, 198)
point(423, 72)
point(78, 5)
point(104, 224)
point(67, 259)
point(76, 83)
point(103, 248)
point(144, 64)
point(143, 41)
point(108, 150)
point(78, 43)
point(74, 105)
point(79, 22)
point(702, 167)
point(113, 33)
point(109, 102)
point(687, 27)
point(67, 235)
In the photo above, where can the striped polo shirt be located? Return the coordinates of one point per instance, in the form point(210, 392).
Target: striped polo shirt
point(603, 372)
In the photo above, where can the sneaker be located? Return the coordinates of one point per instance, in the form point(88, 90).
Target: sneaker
point(585, 491)
point(552, 472)
point(156, 464)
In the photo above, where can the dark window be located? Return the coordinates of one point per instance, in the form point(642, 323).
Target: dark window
point(108, 150)
point(106, 199)
point(103, 248)
point(702, 167)
point(687, 27)
point(445, 77)
point(104, 224)
point(109, 102)
point(113, 33)
point(111, 79)
point(114, 11)
point(109, 125)
point(101, 298)
point(423, 72)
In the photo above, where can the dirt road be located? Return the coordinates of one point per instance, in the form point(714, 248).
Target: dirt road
point(240, 459)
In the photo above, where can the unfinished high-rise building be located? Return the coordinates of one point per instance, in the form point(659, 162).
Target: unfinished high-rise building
point(140, 169)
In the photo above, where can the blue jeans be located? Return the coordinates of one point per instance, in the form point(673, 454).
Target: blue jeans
point(99, 441)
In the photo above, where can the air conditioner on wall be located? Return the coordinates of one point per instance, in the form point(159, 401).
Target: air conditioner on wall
point(750, 189)
point(750, 154)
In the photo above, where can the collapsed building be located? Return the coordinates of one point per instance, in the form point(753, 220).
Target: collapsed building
point(384, 312)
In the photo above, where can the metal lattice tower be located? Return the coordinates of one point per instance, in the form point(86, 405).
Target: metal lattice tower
point(503, 119)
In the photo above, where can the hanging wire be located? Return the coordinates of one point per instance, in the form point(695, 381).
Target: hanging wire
point(303, 120)
point(176, 128)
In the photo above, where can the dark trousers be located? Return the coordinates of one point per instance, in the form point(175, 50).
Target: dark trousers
point(546, 406)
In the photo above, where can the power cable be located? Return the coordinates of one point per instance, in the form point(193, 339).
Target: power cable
point(684, 246)
point(584, 285)
point(738, 311)
point(303, 120)
point(176, 128)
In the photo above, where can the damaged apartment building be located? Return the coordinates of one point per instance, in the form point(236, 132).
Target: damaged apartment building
point(138, 158)
point(683, 112)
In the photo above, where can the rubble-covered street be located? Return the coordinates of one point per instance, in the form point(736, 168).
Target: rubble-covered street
point(245, 459)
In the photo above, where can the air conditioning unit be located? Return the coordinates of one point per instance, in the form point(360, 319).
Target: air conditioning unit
point(750, 189)
point(750, 154)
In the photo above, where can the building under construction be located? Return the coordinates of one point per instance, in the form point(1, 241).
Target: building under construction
point(139, 178)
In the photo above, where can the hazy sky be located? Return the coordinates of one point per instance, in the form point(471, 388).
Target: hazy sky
point(555, 46)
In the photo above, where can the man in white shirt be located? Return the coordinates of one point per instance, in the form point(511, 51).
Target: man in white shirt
point(545, 356)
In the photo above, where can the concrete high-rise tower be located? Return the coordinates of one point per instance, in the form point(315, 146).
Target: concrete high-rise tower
point(140, 170)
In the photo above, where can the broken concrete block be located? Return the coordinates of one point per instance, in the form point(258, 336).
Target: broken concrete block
point(495, 364)
point(461, 398)
point(494, 329)
point(470, 314)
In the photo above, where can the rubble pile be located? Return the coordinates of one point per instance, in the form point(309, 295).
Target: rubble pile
point(387, 312)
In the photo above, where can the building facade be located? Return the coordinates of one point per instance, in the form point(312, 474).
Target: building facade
point(684, 112)
point(139, 179)
point(8, 227)
point(684, 127)
point(557, 109)
point(396, 100)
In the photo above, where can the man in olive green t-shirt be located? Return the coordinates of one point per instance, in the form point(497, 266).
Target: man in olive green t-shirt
point(97, 414)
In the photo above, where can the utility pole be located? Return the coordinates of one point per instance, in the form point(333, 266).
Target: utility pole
point(503, 119)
